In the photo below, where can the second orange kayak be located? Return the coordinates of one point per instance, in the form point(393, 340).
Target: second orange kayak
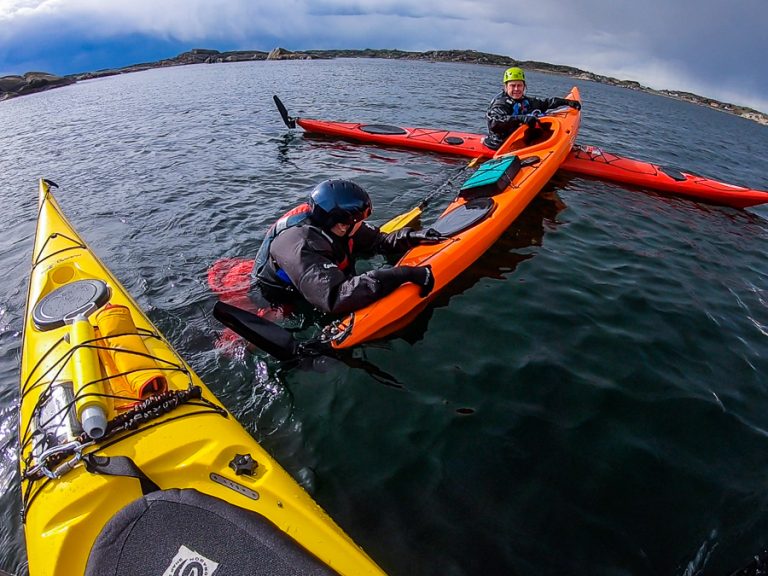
point(472, 223)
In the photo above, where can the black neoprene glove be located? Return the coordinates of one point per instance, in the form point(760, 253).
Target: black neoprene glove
point(575, 104)
point(516, 120)
point(421, 276)
point(426, 236)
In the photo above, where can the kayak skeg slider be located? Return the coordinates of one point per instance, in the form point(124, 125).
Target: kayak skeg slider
point(491, 178)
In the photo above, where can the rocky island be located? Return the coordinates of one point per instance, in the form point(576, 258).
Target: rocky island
point(11, 86)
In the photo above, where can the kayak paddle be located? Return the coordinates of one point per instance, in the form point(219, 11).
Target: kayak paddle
point(758, 565)
point(409, 217)
point(290, 122)
point(268, 336)
point(280, 343)
point(412, 215)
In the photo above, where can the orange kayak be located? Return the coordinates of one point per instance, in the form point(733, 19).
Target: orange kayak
point(472, 222)
point(588, 161)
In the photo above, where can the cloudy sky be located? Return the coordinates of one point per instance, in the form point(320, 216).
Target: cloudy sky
point(714, 48)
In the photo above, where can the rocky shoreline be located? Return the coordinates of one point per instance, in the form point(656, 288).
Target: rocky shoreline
point(31, 82)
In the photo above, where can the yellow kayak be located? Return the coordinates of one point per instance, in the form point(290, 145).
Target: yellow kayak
point(129, 464)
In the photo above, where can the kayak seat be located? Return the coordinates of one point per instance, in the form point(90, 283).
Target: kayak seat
point(537, 134)
point(465, 216)
point(188, 532)
point(386, 129)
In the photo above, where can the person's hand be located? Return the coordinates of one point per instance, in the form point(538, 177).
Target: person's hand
point(529, 119)
point(421, 276)
point(426, 236)
point(575, 104)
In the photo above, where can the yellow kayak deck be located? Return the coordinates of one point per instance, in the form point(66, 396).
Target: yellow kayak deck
point(163, 430)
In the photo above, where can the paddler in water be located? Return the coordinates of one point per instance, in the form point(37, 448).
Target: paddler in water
point(504, 112)
point(310, 253)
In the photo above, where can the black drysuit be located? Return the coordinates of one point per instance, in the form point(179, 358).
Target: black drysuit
point(319, 266)
point(503, 114)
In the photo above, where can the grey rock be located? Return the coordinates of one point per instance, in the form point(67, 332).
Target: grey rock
point(12, 86)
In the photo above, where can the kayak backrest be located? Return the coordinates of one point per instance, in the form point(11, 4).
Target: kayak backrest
point(673, 173)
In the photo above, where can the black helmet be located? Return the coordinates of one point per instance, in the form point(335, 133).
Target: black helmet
point(338, 202)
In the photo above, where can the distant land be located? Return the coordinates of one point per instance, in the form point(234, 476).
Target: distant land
point(31, 82)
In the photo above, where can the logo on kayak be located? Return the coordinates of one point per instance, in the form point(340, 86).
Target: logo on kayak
point(189, 563)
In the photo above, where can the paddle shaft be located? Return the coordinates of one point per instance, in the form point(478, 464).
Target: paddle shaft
point(405, 219)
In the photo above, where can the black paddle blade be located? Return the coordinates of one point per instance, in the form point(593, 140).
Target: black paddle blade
point(290, 122)
point(268, 336)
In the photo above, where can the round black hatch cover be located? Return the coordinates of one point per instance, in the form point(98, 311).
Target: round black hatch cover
point(453, 140)
point(69, 301)
point(382, 129)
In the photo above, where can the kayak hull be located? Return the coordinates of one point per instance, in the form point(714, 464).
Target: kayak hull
point(589, 161)
point(427, 139)
point(182, 438)
point(451, 257)
point(594, 162)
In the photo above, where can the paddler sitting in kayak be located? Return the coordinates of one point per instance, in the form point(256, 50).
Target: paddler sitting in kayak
point(310, 253)
point(507, 109)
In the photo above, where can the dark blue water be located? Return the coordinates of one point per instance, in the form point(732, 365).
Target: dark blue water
point(589, 398)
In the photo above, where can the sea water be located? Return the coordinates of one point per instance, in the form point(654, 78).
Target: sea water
point(588, 398)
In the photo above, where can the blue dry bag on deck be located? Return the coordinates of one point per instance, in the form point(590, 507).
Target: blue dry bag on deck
point(491, 178)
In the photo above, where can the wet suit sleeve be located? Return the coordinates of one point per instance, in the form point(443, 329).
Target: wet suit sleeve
point(307, 258)
point(369, 239)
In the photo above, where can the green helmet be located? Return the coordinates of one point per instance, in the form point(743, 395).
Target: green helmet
point(514, 74)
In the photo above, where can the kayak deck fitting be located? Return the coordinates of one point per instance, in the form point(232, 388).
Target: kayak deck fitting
point(129, 464)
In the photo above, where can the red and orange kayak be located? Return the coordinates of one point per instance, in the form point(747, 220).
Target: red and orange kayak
point(593, 161)
point(471, 223)
point(583, 160)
